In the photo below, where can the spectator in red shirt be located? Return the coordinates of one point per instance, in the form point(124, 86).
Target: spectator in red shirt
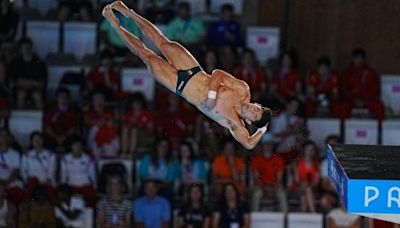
point(251, 72)
point(5, 93)
point(98, 111)
point(104, 77)
point(286, 81)
point(61, 120)
point(267, 169)
point(360, 86)
point(138, 126)
point(322, 89)
point(307, 175)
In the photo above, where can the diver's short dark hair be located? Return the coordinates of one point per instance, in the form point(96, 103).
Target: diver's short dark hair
point(265, 118)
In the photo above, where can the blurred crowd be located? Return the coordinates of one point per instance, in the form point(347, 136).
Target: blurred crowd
point(181, 160)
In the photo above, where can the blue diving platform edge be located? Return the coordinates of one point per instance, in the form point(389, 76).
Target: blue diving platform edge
point(367, 178)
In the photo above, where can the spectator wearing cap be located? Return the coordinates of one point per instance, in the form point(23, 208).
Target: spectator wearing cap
point(151, 210)
point(114, 210)
point(186, 29)
point(267, 169)
point(322, 89)
point(104, 77)
point(29, 76)
point(9, 20)
point(78, 172)
point(361, 86)
point(138, 130)
point(61, 120)
point(10, 161)
point(226, 30)
point(38, 167)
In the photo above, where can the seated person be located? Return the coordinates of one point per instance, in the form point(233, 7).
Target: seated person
point(186, 29)
point(104, 77)
point(268, 168)
point(29, 74)
point(7, 208)
point(68, 208)
point(322, 89)
point(78, 172)
point(231, 211)
point(228, 168)
point(37, 212)
point(361, 86)
point(151, 210)
point(226, 30)
point(5, 93)
point(9, 168)
point(114, 210)
point(191, 170)
point(9, 20)
point(106, 142)
point(61, 120)
point(38, 167)
point(138, 133)
point(193, 213)
point(97, 112)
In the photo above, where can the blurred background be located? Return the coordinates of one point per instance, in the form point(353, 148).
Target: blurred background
point(89, 139)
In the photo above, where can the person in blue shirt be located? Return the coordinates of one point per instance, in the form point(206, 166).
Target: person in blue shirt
point(225, 31)
point(151, 210)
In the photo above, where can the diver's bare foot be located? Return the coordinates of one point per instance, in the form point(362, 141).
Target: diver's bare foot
point(121, 7)
point(110, 16)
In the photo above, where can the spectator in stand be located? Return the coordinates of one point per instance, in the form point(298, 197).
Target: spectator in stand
point(84, 13)
point(160, 11)
point(64, 12)
point(39, 167)
point(151, 210)
point(285, 128)
point(7, 208)
point(104, 77)
point(61, 120)
point(68, 208)
point(97, 113)
point(10, 161)
point(307, 175)
point(287, 81)
point(138, 130)
point(268, 168)
point(159, 166)
point(231, 211)
point(78, 171)
point(193, 213)
point(191, 170)
point(29, 74)
point(5, 93)
point(339, 218)
point(251, 72)
point(322, 89)
point(37, 212)
point(186, 29)
point(228, 57)
point(225, 31)
point(210, 61)
point(9, 20)
point(361, 86)
point(112, 40)
point(114, 210)
point(228, 168)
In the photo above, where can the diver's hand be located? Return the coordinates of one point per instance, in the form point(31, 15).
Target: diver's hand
point(209, 104)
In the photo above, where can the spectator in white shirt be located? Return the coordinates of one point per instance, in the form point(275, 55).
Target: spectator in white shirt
point(38, 167)
point(10, 161)
point(285, 126)
point(78, 172)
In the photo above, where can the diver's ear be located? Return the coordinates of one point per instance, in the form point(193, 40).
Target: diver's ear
point(248, 122)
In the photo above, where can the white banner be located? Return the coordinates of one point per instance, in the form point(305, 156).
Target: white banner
point(138, 80)
point(264, 41)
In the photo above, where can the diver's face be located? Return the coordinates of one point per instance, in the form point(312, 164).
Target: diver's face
point(252, 112)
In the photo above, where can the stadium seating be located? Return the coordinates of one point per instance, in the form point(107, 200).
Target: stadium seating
point(80, 38)
point(305, 220)
point(363, 132)
point(42, 5)
point(390, 132)
point(138, 80)
point(321, 128)
point(390, 93)
point(23, 123)
point(56, 74)
point(44, 44)
point(267, 219)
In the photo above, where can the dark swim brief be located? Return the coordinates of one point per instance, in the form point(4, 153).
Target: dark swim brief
point(183, 78)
